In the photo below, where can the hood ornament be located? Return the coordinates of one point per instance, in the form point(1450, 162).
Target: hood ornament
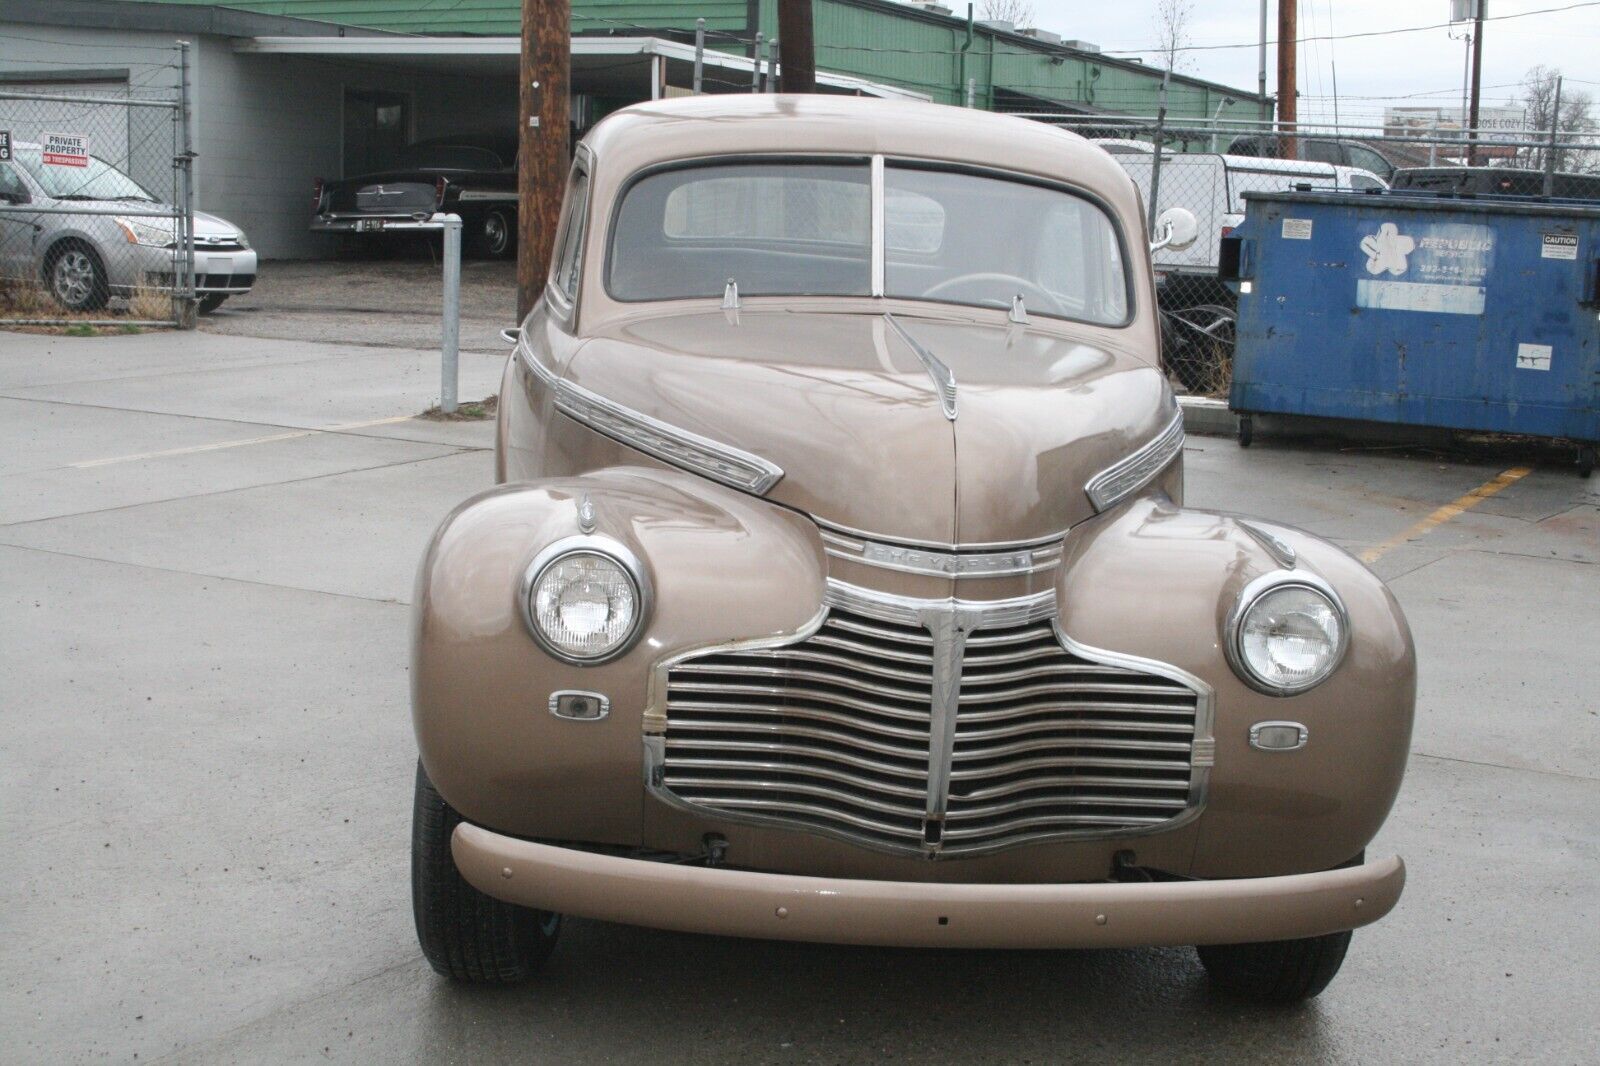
point(944, 379)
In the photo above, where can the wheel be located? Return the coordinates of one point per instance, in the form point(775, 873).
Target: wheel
point(1247, 431)
point(465, 934)
point(211, 302)
point(1586, 460)
point(1280, 971)
point(76, 277)
point(494, 235)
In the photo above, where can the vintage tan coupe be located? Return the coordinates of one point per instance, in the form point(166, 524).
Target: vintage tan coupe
point(839, 586)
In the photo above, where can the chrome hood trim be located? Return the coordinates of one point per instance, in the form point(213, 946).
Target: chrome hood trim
point(944, 379)
point(699, 455)
point(1135, 471)
point(939, 560)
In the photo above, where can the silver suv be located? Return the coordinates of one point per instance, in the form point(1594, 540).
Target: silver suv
point(104, 235)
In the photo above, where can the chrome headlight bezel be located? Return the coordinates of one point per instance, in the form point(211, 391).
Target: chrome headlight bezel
point(1252, 595)
point(587, 544)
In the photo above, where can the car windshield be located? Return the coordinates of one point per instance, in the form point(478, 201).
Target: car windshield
point(447, 157)
point(805, 229)
point(97, 181)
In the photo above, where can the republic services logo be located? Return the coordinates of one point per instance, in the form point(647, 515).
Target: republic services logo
point(1387, 250)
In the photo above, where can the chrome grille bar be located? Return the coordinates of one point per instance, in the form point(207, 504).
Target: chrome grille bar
point(839, 732)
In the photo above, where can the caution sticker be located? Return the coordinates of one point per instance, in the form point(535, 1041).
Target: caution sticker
point(1297, 229)
point(1558, 246)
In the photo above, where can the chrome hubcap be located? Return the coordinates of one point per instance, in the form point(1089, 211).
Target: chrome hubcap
point(73, 277)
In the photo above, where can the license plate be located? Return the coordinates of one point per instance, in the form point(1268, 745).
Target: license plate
point(367, 225)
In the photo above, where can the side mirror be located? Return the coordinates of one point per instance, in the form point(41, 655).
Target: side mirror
point(1176, 228)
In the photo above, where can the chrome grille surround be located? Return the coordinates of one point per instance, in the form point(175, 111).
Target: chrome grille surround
point(930, 727)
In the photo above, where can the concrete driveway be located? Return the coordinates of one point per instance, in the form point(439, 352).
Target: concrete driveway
point(207, 545)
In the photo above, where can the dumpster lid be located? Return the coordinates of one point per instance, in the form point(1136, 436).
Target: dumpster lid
point(1427, 200)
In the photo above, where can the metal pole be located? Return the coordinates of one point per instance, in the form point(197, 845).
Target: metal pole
point(1477, 81)
point(772, 65)
point(451, 340)
point(188, 312)
point(1261, 60)
point(1550, 153)
point(972, 91)
point(699, 53)
point(755, 67)
point(1155, 163)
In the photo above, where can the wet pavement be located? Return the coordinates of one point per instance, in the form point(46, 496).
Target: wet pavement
point(207, 759)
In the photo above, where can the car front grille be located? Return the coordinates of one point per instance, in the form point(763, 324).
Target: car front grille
point(836, 734)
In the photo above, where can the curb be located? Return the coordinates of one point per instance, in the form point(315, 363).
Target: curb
point(1207, 417)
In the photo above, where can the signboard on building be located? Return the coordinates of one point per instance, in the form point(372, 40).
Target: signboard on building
point(1503, 123)
point(66, 149)
point(5, 146)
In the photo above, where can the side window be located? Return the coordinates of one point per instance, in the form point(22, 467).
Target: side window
point(569, 256)
point(1363, 182)
point(12, 190)
point(1367, 159)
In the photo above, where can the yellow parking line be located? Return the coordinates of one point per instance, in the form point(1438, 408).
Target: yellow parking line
point(238, 443)
point(1449, 511)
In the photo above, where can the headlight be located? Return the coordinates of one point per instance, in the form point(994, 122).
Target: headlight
point(242, 240)
point(140, 231)
point(1287, 634)
point(584, 599)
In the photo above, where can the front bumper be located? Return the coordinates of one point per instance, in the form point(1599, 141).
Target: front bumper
point(230, 271)
point(916, 914)
point(365, 223)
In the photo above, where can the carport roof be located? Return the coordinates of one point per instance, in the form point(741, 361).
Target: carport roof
point(594, 59)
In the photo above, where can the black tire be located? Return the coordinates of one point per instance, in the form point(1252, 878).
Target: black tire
point(211, 302)
point(494, 236)
point(1586, 460)
point(1277, 972)
point(1247, 431)
point(465, 934)
point(76, 277)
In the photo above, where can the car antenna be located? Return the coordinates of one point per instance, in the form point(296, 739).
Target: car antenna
point(1019, 311)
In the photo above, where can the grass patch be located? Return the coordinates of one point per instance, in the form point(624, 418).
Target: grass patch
point(481, 411)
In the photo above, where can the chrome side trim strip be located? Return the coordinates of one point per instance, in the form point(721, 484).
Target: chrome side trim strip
point(1133, 472)
point(944, 379)
point(700, 455)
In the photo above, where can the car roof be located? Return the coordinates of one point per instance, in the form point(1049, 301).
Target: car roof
point(758, 123)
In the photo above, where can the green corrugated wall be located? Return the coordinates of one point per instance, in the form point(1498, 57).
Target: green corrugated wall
point(870, 40)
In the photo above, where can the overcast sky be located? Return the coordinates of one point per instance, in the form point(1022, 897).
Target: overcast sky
point(1383, 67)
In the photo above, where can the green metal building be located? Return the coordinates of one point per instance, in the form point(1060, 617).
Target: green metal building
point(912, 47)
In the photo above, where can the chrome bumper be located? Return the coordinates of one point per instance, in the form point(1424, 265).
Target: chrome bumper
point(917, 914)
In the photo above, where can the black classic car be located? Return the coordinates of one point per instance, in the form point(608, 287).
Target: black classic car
point(471, 176)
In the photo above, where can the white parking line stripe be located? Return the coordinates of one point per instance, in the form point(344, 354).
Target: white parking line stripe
point(238, 443)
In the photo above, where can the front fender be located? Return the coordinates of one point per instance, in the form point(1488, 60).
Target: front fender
point(1158, 581)
point(724, 566)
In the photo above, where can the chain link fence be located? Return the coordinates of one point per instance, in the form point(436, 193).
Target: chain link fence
point(96, 213)
point(1207, 167)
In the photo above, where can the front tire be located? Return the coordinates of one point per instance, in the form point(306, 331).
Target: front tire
point(465, 934)
point(76, 277)
point(212, 301)
point(1277, 972)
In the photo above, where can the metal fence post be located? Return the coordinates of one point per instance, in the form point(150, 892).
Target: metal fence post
point(772, 65)
point(451, 341)
point(187, 307)
point(755, 67)
point(699, 53)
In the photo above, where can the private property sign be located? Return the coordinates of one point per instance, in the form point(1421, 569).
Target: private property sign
point(66, 149)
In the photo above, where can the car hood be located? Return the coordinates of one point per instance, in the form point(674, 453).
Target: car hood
point(205, 225)
point(848, 408)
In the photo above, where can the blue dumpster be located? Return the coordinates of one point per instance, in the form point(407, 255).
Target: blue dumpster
point(1468, 314)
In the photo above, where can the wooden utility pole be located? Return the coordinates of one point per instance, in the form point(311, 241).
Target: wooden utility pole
point(543, 154)
point(1287, 45)
point(797, 56)
point(1477, 81)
